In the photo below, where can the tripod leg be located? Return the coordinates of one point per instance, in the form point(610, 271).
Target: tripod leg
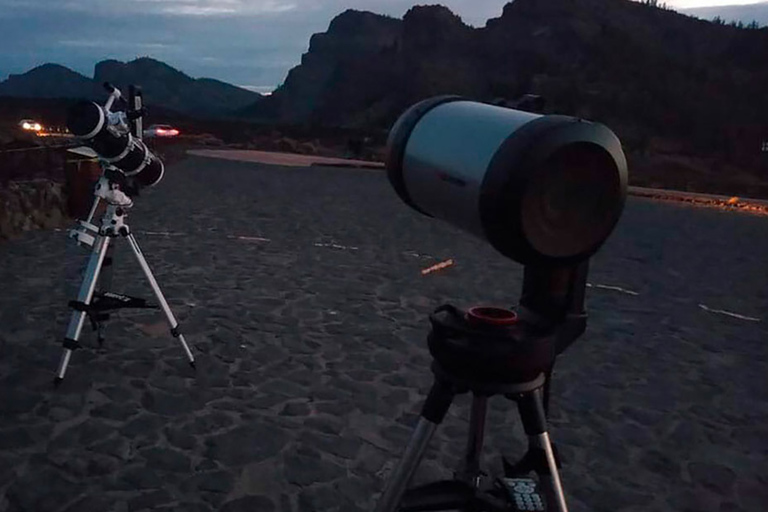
point(531, 407)
point(160, 298)
point(470, 472)
point(432, 414)
point(104, 285)
point(84, 297)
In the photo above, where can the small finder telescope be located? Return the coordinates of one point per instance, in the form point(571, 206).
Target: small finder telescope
point(109, 135)
point(541, 189)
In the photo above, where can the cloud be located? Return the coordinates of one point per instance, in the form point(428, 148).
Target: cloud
point(111, 43)
point(154, 7)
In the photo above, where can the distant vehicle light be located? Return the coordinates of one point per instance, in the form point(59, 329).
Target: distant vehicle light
point(31, 126)
point(167, 133)
point(162, 130)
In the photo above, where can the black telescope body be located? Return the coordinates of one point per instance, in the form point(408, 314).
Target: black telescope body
point(543, 190)
point(114, 143)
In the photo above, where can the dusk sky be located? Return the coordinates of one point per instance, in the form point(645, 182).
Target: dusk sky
point(245, 42)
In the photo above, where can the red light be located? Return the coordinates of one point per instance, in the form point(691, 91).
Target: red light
point(171, 133)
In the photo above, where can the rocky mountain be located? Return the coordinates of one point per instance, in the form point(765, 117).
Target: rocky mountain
point(48, 81)
point(651, 74)
point(166, 86)
point(163, 86)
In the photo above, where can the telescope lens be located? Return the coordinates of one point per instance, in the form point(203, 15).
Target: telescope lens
point(85, 119)
point(152, 173)
point(569, 202)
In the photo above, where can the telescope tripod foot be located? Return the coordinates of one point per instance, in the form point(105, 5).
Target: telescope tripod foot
point(534, 461)
point(57, 382)
point(193, 365)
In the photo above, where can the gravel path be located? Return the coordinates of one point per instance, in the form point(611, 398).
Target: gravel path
point(302, 295)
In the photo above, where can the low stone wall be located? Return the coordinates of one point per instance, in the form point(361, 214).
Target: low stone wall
point(32, 204)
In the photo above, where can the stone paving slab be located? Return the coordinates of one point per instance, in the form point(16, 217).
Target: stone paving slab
point(302, 295)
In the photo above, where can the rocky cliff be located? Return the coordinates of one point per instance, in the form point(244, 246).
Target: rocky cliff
point(655, 76)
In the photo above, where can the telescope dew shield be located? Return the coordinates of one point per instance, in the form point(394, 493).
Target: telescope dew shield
point(540, 189)
point(89, 122)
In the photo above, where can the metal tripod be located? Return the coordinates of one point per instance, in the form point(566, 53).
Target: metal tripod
point(486, 352)
point(94, 305)
point(466, 492)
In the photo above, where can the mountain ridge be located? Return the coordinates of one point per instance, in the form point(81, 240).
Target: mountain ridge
point(162, 84)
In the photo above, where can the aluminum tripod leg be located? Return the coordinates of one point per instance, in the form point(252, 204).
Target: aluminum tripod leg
point(470, 471)
point(160, 298)
point(84, 297)
point(432, 413)
point(401, 476)
point(531, 408)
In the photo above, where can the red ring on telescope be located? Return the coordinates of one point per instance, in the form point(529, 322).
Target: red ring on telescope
point(490, 315)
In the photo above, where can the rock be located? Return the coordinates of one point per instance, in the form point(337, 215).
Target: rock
point(138, 478)
point(42, 491)
point(117, 447)
point(144, 425)
point(17, 401)
point(715, 477)
point(325, 423)
point(248, 444)
point(249, 504)
point(661, 464)
point(115, 411)
point(167, 459)
point(355, 489)
point(752, 494)
point(339, 408)
point(319, 498)
point(86, 433)
point(303, 470)
point(167, 404)
point(91, 504)
point(149, 501)
point(206, 465)
point(219, 482)
point(344, 447)
point(371, 460)
point(295, 409)
point(15, 438)
point(180, 438)
point(210, 423)
point(101, 465)
point(284, 388)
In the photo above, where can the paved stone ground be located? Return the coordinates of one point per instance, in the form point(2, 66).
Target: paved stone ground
point(302, 296)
